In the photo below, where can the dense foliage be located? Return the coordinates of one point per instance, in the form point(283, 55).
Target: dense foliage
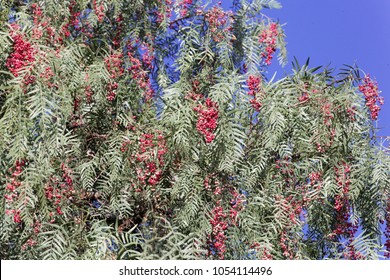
point(147, 129)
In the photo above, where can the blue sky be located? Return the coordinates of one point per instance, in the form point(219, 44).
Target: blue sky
point(339, 32)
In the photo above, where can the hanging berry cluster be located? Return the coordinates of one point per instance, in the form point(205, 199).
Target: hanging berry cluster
point(114, 65)
point(149, 158)
point(99, 10)
point(22, 55)
point(371, 92)
point(165, 13)
point(138, 72)
point(254, 85)
point(221, 218)
point(12, 190)
point(344, 227)
point(262, 250)
point(59, 190)
point(268, 37)
point(217, 238)
point(195, 93)
point(207, 119)
point(218, 23)
point(184, 6)
point(43, 28)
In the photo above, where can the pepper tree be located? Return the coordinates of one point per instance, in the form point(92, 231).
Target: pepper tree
point(148, 129)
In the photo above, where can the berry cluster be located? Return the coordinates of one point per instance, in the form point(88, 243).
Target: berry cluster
point(151, 157)
point(11, 189)
point(254, 85)
point(183, 6)
point(42, 27)
point(111, 91)
point(74, 21)
point(217, 238)
point(29, 243)
point(371, 92)
point(268, 37)
point(99, 10)
point(341, 204)
point(195, 93)
point(114, 65)
point(327, 113)
point(284, 244)
point(303, 98)
point(165, 13)
point(342, 207)
point(217, 20)
point(140, 76)
point(22, 55)
point(222, 218)
point(60, 189)
point(207, 119)
point(210, 181)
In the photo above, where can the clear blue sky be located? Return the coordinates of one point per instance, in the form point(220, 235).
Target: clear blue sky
point(339, 32)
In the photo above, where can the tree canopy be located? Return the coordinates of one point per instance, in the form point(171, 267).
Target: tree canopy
point(149, 129)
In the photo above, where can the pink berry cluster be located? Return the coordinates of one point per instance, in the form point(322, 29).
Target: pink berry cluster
point(284, 244)
point(73, 20)
point(371, 92)
point(304, 98)
point(254, 85)
point(222, 218)
point(32, 241)
point(341, 204)
point(88, 93)
point(342, 207)
point(183, 6)
point(217, 20)
point(265, 254)
point(327, 113)
point(114, 65)
point(195, 93)
point(151, 154)
point(60, 189)
point(306, 94)
point(42, 27)
point(351, 112)
point(12, 189)
point(213, 184)
point(140, 75)
point(119, 29)
point(207, 119)
point(111, 91)
point(147, 56)
point(22, 55)
point(99, 10)
point(268, 37)
point(166, 11)
point(217, 238)
point(297, 198)
point(29, 243)
point(292, 208)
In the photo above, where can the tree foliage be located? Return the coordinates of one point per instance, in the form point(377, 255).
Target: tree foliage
point(147, 129)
